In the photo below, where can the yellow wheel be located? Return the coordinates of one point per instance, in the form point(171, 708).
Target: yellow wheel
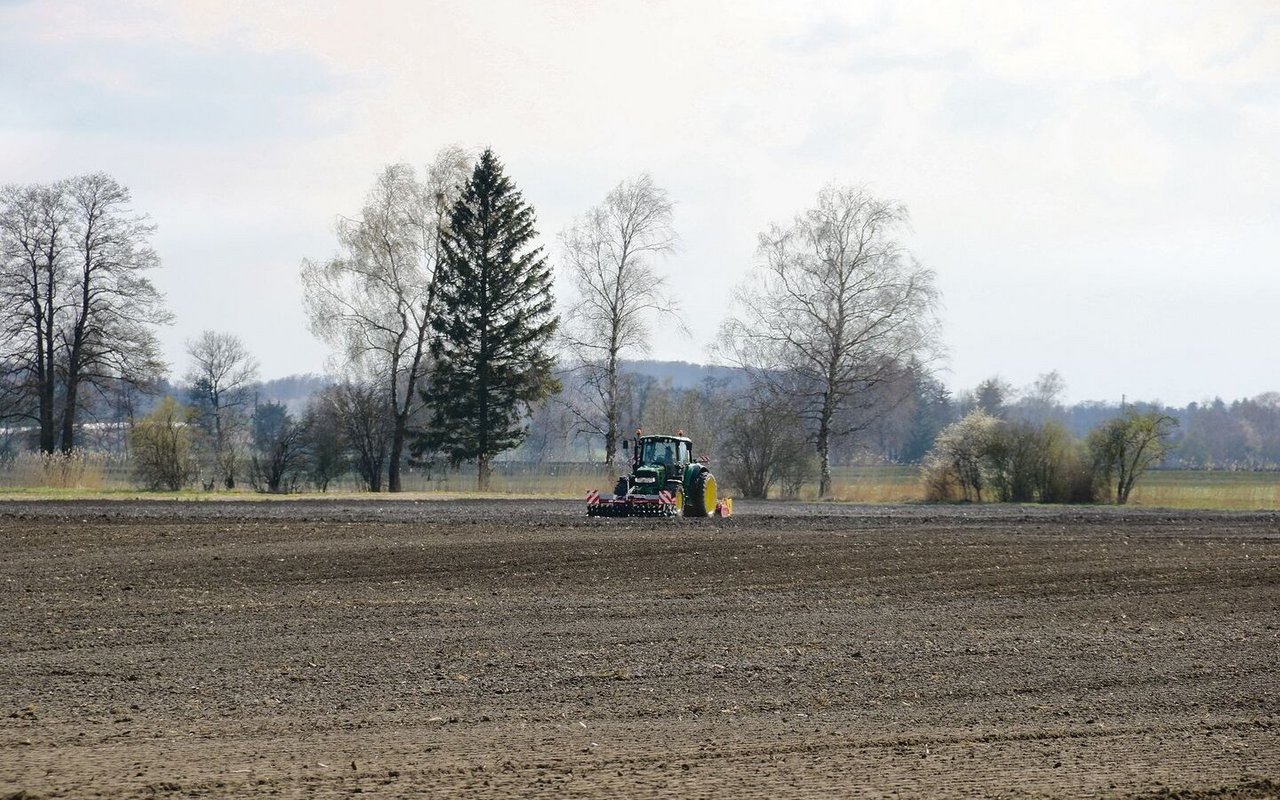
point(702, 495)
point(709, 493)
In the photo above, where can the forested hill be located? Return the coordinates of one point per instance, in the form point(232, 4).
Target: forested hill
point(682, 374)
point(295, 390)
point(292, 390)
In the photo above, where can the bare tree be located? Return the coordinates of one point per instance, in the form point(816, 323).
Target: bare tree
point(34, 244)
point(765, 444)
point(836, 308)
point(112, 307)
point(76, 306)
point(326, 442)
point(609, 252)
point(373, 303)
point(359, 410)
point(1039, 402)
point(281, 449)
point(220, 383)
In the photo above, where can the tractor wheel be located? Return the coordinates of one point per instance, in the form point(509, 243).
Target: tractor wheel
point(621, 488)
point(702, 495)
point(677, 491)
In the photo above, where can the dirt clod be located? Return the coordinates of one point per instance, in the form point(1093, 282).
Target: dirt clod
point(491, 649)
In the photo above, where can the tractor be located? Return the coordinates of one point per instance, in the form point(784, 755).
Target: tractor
point(665, 481)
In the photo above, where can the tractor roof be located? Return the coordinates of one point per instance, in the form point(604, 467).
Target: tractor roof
point(665, 437)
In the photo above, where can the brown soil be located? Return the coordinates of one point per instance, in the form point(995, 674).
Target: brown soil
point(500, 649)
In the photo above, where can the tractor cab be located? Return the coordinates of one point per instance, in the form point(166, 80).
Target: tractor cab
point(658, 464)
point(669, 452)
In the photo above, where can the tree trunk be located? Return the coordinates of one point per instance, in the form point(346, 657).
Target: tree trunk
point(484, 471)
point(611, 414)
point(397, 448)
point(48, 432)
point(47, 373)
point(73, 379)
point(69, 412)
point(824, 453)
point(824, 447)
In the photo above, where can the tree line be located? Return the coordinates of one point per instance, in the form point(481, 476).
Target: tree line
point(447, 349)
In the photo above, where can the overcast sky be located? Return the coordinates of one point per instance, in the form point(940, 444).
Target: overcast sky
point(1095, 184)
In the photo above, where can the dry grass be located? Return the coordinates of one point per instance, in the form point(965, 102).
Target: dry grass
point(77, 470)
point(872, 485)
point(90, 476)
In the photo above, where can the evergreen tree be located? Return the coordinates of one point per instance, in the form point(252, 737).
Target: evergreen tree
point(493, 325)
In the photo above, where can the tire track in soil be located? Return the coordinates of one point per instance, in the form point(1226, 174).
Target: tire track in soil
point(499, 650)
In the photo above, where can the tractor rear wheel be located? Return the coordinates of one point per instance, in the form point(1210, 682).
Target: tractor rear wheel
point(701, 500)
point(621, 488)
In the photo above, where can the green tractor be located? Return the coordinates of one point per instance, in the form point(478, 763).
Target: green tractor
point(665, 481)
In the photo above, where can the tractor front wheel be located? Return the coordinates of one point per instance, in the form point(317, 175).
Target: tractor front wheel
point(677, 495)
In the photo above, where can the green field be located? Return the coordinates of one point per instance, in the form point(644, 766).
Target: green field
point(1238, 491)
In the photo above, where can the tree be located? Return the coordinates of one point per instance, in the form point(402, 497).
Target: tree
point(374, 302)
point(1016, 453)
point(35, 238)
point(494, 324)
point(1125, 447)
point(960, 458)
point(931, 412)
point(77, 309)
point(113, 306)
point(326, 442)
point(609, 254)
point(161, 444)
point(280, 445)
point(765, 444)
point(358, 409)
point(220, 383)
point(835, 309)
point(992, 395)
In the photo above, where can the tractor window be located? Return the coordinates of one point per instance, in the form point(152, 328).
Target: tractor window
point(665, 451)
point(650, 455)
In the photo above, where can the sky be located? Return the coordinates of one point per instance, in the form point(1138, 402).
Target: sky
point(1095, 185)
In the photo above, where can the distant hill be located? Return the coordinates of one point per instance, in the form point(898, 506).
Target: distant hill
point(682, 374)
point(293, 391)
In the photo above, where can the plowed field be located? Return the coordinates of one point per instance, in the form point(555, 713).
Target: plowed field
point(310, 649)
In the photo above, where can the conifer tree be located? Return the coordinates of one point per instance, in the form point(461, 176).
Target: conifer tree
point(493, 325)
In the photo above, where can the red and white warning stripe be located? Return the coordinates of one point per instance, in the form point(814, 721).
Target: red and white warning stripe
point(593, 498)
point(666, 498)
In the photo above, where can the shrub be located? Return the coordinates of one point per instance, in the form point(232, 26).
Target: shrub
point(1125, 447)
point(1019, 462)
point(162, 452)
